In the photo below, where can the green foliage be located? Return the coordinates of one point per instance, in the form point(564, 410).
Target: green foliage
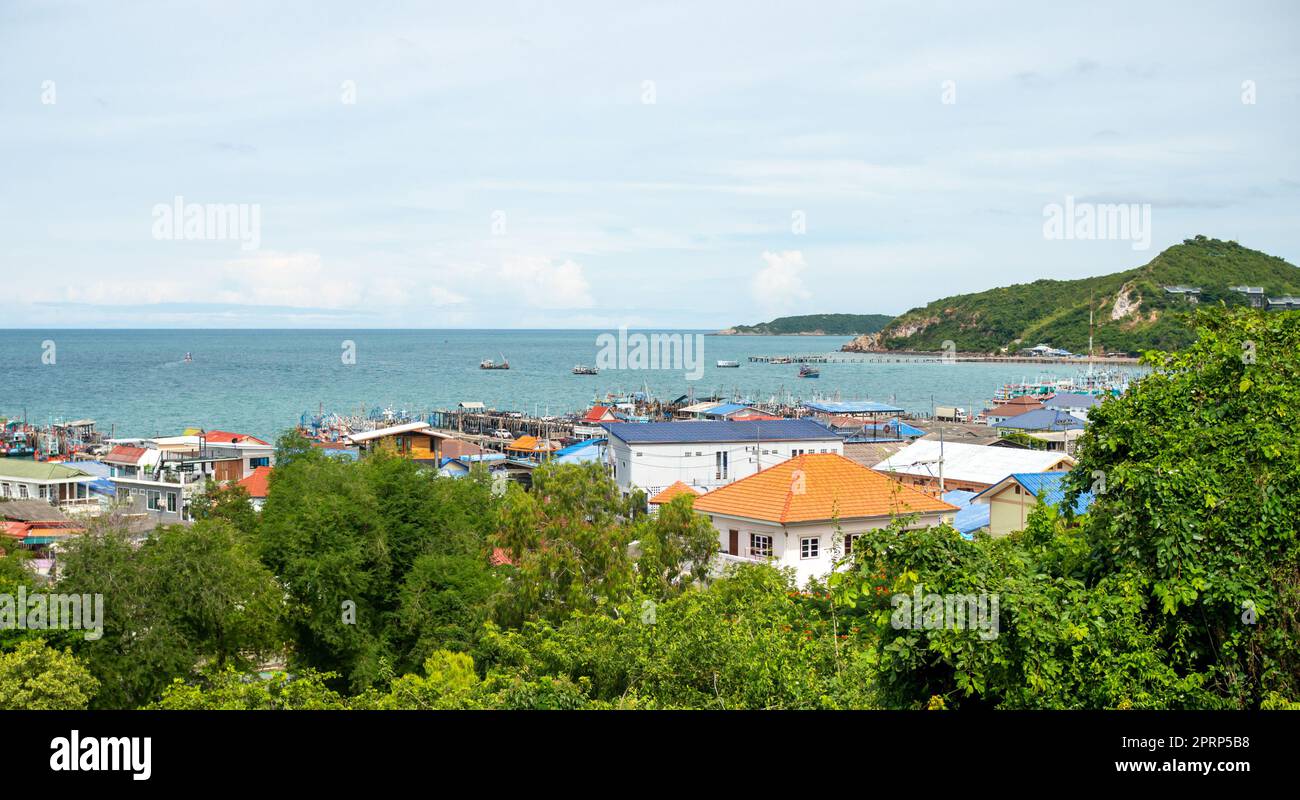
point(231, 690)
point(828, 324)
point(676, 546)
point(230, 503)
point(1202, 470)
point(187, 596)
point(568, 541)
point(1056, 312)
point(345, 539)
point(39, 678)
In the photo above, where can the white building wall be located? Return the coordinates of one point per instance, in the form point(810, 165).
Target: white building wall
point(787, 546)
point(654, 467)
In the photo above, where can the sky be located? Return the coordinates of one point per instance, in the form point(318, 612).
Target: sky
point(596, 165)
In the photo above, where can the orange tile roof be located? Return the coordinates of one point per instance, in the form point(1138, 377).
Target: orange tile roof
point(676, 490)
point(817, 487)
point(256, 483)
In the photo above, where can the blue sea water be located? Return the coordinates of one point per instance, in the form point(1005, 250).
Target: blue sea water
point(136, 383)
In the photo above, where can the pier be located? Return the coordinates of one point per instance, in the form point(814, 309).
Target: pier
point(931, 358)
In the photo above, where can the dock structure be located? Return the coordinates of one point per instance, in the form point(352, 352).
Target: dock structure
point(480, 426)
point(929, 358)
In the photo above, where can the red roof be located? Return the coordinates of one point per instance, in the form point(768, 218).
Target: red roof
point(226, 437)
point(598, 414)
point(256, 483)
point(500, 557)
point(125, 454)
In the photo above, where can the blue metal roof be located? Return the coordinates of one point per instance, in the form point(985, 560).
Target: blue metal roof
point(970, 516)
point(1048, 487)
point(724, 409)
point(853, 407)
point(1043, 419)
point(782, 430)
point(1071, 400)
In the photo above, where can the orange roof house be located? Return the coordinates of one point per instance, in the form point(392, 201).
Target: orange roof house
point(805, 512)
point(818, 487)
point(256, 483)
point(672, 492)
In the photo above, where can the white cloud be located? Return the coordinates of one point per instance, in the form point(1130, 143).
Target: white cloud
point(780, 283)
point(540, 283)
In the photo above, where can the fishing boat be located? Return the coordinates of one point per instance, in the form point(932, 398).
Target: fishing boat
point(581, 369)
point(809, 372)
point(188, 358)
point(488, 363)
point(728, 364)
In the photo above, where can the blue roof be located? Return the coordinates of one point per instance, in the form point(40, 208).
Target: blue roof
point(1043, 419)
point(1071, 400)
point(1049, 488)
point(779, 430)
point(725, 409)
point(853, 407)
point(581, 452)
point(970, 516)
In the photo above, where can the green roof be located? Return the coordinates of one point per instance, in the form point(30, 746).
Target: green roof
point(29, 470)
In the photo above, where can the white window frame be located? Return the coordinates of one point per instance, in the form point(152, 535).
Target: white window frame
point(766, 550)
point(810, 548)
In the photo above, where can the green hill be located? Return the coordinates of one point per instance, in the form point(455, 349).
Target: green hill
point(823, 324)
point(1133, 312)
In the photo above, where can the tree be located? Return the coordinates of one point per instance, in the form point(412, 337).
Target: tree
point(677, 547)
point(1198, 467)
point(568, 541)
point(36, 677)
point(186, 597)
point(231, 690)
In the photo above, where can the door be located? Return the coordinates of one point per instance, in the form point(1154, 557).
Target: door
point(733, 542)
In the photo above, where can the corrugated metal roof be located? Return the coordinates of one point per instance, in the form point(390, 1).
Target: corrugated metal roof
point(853, 407)
point(725, 409)
point(410, 427)
point(969, 462)
point(1048, 487)
point(784, 430)
point(1071, 400)
point(971, 516)
point(27, 469)
point(1043, 419)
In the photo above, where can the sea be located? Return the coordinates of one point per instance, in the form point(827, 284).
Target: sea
point(137, 383)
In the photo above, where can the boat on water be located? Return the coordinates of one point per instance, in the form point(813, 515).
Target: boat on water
point(488, 363)
point(188, 358)
point(809, 372)
point(582, 369)
point(728, 364)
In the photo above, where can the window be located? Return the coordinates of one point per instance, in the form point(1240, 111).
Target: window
point(760, 545)
point(6, 490)
point(22, 491)
point(720, 465)
point(264, 461)
point(810, 547)
point(849, 539)
point(171, 502)
point(43, 492)
point(153, 500)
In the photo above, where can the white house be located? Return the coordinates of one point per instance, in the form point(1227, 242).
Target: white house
point(806, 512)
point(706, 454)
point(25, 479)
